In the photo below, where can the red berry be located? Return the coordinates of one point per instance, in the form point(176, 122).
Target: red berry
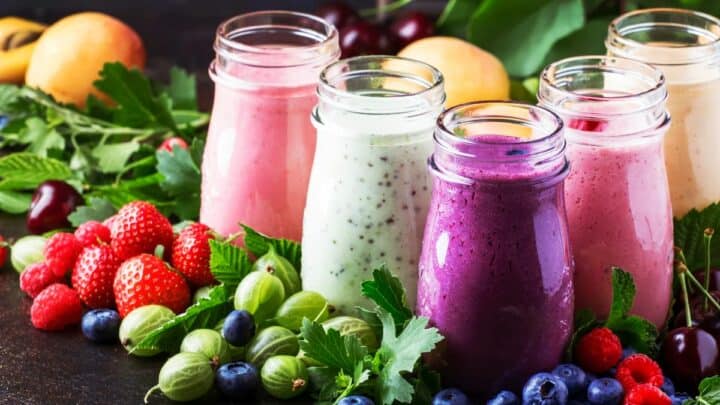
point(359, 38)
point(191, 254)
point(109, 222)
point(51, 204)
point(337, 13)
point(638, 369)
point(170, 143)
point(139, 228)
point(91, 233)
point(646, 394)
point(587, 125)
point(3, 251)
point(94, 274)
point(36, 277)
point(598, 351)
point(146, 279)
point(412, 26)
point(56, 307)
point(61, 251)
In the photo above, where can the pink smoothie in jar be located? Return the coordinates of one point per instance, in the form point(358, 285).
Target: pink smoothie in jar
point(618, 202)
point(260, 146)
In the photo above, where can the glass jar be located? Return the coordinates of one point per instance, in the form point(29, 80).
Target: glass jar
point(260, 146)
point(618, 203)
point(685, 46)
point(369, 189)
point(495, 270)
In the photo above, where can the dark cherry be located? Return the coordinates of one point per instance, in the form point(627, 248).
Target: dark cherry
point(337, 13)
point(387, 43)
point(689, 355)
point(410, 27)
point(359, 38)
point(711, 325)
point(51, 204)
point(714, 277)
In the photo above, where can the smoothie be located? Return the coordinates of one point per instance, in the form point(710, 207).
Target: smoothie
point(495, 270)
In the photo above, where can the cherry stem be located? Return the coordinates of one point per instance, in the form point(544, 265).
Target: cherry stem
point(707, 236)
point(704, 291)
point(686, 300)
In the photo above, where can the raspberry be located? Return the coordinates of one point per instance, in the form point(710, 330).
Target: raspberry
point(36, 277)
point(61, 251)
point(55, 308)
point(91, 233)
point(639, 369)
point(598, 351)
point(646, 394)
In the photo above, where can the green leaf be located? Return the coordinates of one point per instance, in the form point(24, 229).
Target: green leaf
point(20, 171)
point(522, 32)
point(585, 321)
point(204, 314)
point(708, 393)
point(331, 349)
point(388, 293)
point(40, 138)
point(182, 89)
point(97, 209)
point(8, 95)
point(371, 318)
point(623, 294)
point(427, 384)
point(258, 244)
point(518, 91)
point(113, 157)
point(228, 263)
point(588, 40)
point(455, 17)
point(689, 231)
point(399, 355)
point(14, 202)
point(182, 175)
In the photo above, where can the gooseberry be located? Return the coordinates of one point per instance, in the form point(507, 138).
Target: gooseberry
point(207, 342)
point(139, 323)
point(304, 304)
point(261, 294)
point(26, 251)
point(280, 267)
point(284, 377)
point(272, 341)
point(184, 377)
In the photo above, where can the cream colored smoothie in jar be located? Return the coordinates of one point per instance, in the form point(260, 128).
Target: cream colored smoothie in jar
point(369, 188)
point(260, 145)
point(685, 46)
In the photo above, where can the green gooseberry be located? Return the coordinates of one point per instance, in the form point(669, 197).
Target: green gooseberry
point(284, 377)
point(201, 293)
point(261, 294)
point(184, 377)
point(271, 341)
point(304, 304)
point(139, 323)
point(348, 325)
point(26, 251)
point(207, 342)
point(280, 267)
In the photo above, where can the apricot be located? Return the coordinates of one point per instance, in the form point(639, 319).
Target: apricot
point(471, 74)
point(70, 54)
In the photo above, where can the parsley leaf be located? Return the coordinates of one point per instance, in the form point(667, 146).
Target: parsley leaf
point(388, 293)
point(113, 157)
point(182, 89)
point(399, 354)
point(330, 348)
point(709, 392)
point(97, 209)
point(39, 137)
point(258, 244)
point(689, 230)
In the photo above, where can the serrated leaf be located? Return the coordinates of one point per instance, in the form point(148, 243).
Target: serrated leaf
point(585, 321)
point(14, 202)
point(27, 170)
point(181, 174)
point(39, 138)
point(182, 89)
point(637, 333)
point(113, 157)
point(97, 209)
point(388, 293)
point(708, 392)
point(330, 348)
point(259, 244)
point(623, 294)
point(228, 263)
point(689, 231)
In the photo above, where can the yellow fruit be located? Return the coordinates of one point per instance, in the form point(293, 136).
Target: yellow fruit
point(500, 126)
point(17, 42)
point(471, 74)
point(70, 54)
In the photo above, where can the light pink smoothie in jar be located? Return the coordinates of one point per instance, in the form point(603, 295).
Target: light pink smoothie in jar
point(260, 146)
point(618, 202)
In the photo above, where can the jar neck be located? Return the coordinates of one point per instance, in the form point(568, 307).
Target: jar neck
point(606, 100)
point(273, 49)
point(684, 44)
point(499, 142)
point(380, 95)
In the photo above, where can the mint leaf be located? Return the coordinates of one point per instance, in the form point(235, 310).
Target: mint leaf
point(25, 171)
point(182, 89)
point(228, 263)
point(14, 202)
point(113, 157)
point(331, 349)
point(689, 230)
point(623, 294)
point(97, 209)
point(388, 293)
point(259, 244)
point(709, 392)
point(585, 321)
point(399, 354)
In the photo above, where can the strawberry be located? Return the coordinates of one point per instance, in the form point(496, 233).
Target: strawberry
point(146, 279)
point(61, 251)
point(139, 228)
point(94, 274)
point(3, 251)
point(170, 143)
point(91, 233)
point(191, 254)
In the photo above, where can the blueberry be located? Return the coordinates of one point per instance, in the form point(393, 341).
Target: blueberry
point(605, 391)
point(545, 389)
point(101, 325)
point(237, 380)
point(3, 121)
point(356, 400)
point(577, 402)
point(450, 396)
point(504, 398)
point(668, 387)
point(574, 378)
point(679, 398)
point(238, 328)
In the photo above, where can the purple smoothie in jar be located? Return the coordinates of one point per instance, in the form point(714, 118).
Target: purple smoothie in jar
point(496, 269)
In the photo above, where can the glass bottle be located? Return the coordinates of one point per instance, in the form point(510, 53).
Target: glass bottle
point(369, 189)
point(618, 202)
point(495, 270)
point(685, 46)
point(260, 146)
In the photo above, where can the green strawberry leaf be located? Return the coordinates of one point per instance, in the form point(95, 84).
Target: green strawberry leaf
point(259, 244)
